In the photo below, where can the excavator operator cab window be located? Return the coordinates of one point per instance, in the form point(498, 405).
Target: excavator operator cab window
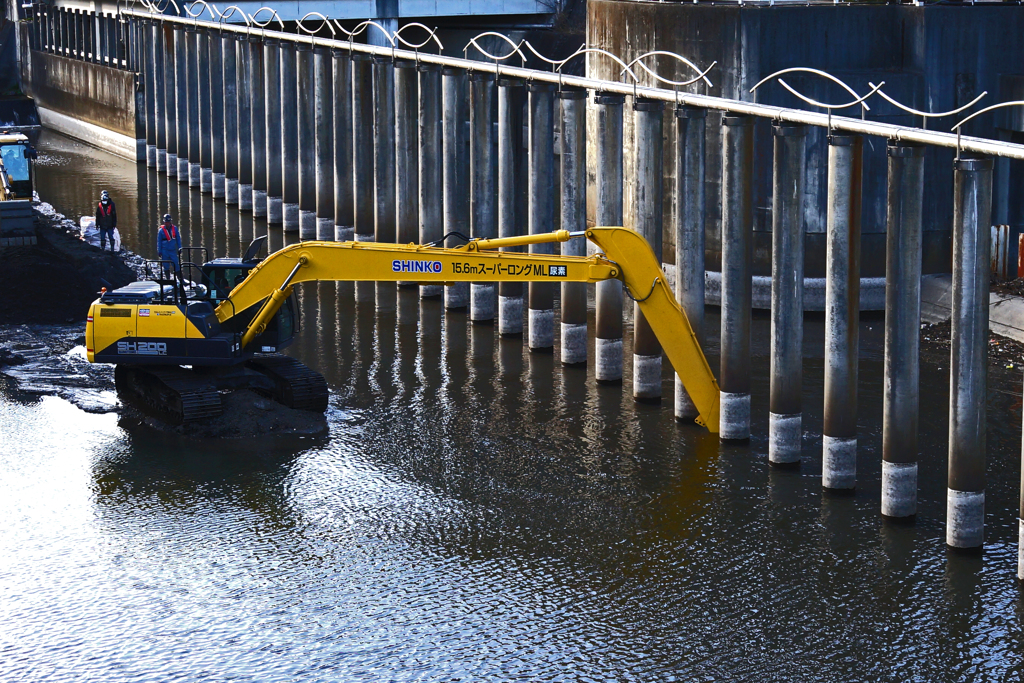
point(17, 169)
point(222, 280)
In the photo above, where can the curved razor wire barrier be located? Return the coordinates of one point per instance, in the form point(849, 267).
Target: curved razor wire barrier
point(431, 36)
point(815, 103)
point(232, 10)
point(312, 33)
point(205, 7)
point(160, 7)
point(584, 50)
point(701, 75)
point(1001, 105)
point(273, 17)
point(364, 27)
point(495, 58)
point(928, 115)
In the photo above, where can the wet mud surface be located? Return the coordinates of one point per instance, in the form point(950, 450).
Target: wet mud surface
point(1003, 353)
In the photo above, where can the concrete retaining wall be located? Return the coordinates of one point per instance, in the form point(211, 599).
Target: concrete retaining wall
point(90, 93)
point(932, 58)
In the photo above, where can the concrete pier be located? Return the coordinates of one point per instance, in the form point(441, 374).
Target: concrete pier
point(243, 75)
point(510, 220)
point(140, 93)
point(407, 162)
point(902, 330)
point(257, 90)
point(608, 322)
point(842, 312)
point(455, 169)
point(170, 105)
point(217, 113)
point(384, 167)
point(737, 256)
point(1020, 519)
point(305, 72)
point(205, 113)
point(229, 70)
point(273, 110)
point(483, 172)
point(691, 212)
point(968, 377)
point(323, 105)
point(541, 212)
point(648, 117)
point(573, 157)
point(362, 160)
point(147, 46)
point(789, 171)
point(289, 138)
point(344, 225)
point(193, 105)
point(159, 95)
point(431, 218)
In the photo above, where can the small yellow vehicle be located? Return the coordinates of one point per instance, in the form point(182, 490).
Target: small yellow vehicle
point(16, 155)
point(230, 325)
point(17, 223)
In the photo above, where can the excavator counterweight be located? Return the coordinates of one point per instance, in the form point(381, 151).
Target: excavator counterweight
point(230, 329)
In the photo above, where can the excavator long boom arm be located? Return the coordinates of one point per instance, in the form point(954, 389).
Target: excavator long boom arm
point(626, 257)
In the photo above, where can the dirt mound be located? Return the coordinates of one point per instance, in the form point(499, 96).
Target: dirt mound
point(56, 280)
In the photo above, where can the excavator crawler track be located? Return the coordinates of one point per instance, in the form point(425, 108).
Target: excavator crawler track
point(172, 394)
point(295, 385)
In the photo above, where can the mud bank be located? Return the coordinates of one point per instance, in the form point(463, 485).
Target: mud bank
point(55, 280)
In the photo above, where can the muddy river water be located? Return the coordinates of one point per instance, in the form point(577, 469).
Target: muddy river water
point(478, 512)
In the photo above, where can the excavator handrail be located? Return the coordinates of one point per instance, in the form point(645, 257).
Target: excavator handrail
point(626, 256)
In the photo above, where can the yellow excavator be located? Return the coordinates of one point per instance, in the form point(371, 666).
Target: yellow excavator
point(189, 333)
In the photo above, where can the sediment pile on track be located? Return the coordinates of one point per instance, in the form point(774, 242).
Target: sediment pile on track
point(55, 280)
point(246, 415)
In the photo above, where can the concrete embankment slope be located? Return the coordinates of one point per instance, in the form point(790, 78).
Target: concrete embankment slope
point(1005, 311)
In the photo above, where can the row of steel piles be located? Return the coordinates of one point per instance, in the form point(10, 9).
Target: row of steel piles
point(379, 150)
point(258, 129)
point(338, 145)
point(972, 212)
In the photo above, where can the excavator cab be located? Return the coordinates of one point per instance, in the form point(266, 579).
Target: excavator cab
point(17, 223)
point(221, 275)
point(16, 155)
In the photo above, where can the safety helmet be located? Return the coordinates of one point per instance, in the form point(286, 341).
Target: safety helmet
point(104, 195)
point(167, 218)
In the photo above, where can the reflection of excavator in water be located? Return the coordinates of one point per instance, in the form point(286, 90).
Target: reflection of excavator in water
point(230, 326)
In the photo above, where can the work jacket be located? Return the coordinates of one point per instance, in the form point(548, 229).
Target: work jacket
point(168, 242)
point(106, 215)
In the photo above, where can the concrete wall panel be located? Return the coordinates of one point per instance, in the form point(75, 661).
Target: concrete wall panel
point(97, 94)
